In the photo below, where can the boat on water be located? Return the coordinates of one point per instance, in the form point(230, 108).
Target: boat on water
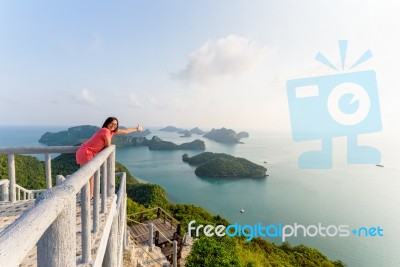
point(242, 211)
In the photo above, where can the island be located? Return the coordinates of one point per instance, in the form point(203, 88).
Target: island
point(79, 134)
point(158, 144)
point(197, 130)
point(72, 136)
point(223, 165)
point(171, 129)
point(224, 135)
point(185, 133)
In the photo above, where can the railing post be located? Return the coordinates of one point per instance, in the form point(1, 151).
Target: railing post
point(175, 253)
point(151, 228)
point(11, 176)
point(59, 179)
point(4, 191)
point(103, 188)
point(111, 255)
point(96, 198)
point(125, 232)
point(158, 212)
point(48, 170)
point(111, 174)
point(85, 217)
point(57, 246)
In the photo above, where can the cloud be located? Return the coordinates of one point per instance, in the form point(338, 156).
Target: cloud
point(86, 97)
point(134, 101)
point(229, 57)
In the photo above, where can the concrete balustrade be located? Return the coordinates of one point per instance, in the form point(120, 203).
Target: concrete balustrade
point(51, 222)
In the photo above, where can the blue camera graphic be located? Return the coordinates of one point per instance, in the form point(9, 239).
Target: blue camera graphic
point(324, 107)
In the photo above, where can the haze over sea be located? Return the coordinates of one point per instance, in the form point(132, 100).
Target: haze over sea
point(354, 195)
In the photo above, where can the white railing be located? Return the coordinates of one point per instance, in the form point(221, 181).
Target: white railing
point(4, 184)
point(47, 151)
point(51, 222)
point(21, 193)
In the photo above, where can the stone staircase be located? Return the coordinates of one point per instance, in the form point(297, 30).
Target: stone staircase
point(141, 256)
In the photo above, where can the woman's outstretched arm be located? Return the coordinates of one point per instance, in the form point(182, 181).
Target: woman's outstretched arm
point(139, 128)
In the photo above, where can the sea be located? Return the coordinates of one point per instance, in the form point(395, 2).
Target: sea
point(363, 198)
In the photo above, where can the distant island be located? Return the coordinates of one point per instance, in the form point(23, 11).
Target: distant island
point(223, 165)
point(79, 134)
point(171, 129)
point(224, 135)
point(196, 130)
point(186, 133)
point(157, 144)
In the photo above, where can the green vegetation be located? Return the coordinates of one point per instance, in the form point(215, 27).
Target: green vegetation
point(206, 251)
point(218, 251)
point(224, 165)
point(29, 171)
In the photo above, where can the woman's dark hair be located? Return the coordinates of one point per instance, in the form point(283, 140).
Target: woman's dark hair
point(108, 121)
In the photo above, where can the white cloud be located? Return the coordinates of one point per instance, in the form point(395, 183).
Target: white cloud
point(86, 97)
point(229, 57)
point(134, 101)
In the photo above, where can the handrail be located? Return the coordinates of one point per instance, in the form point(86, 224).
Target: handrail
point(30, 193)
point(143, 211)
point(38, 149)
point(18, 239)
point(157, 208)
point(167, 214)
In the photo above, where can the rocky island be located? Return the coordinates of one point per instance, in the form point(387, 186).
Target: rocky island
point(223, 165)
point(171, 129)
point(198, 131)
point(224, 135)
point(158, 144)
point(185, 133)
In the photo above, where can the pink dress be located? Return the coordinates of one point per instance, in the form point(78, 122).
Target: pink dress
point(94, 145)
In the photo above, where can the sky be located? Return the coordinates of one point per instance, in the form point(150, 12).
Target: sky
point(188, 63)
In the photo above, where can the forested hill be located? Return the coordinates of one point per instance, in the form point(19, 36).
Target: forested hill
point(223, 165)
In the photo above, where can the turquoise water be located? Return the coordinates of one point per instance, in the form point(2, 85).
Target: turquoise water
point(354, 195)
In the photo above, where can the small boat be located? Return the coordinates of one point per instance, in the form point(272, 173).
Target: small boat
point(379, 165)
point(242, 211)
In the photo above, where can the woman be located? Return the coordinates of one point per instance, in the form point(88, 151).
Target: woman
point(100, 140)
